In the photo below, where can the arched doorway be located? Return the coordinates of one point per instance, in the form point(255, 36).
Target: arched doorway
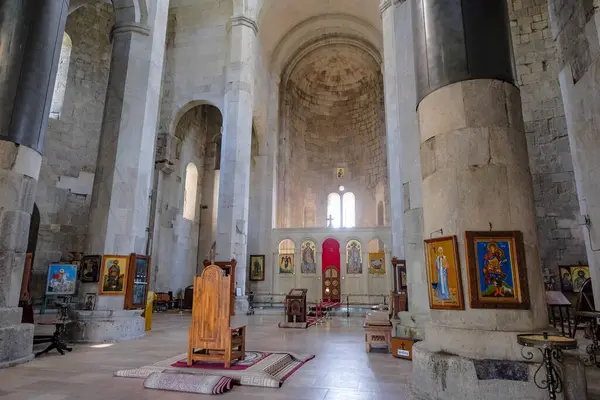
point(331, 270)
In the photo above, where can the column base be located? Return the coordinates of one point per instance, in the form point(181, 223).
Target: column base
point(106, 326)
point(16, 340)
point(410, 325)
point(443, 376)
point(241, 305)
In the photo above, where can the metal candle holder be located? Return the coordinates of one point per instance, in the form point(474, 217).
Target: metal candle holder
point(551, 348)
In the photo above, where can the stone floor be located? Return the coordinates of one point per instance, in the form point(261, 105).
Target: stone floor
point(341, 370)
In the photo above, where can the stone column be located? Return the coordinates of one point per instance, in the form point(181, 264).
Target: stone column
point(404, 164)
point(576, 31)
point(475, 172)
point(31, 36)
point(232, 222)
point(119, 216)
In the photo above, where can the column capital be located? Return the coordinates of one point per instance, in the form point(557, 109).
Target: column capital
point(129, 27)
point(242, 20)
point(385, 4)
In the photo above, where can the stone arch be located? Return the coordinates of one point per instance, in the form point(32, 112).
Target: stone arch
point(178, 113)
point(126, 11)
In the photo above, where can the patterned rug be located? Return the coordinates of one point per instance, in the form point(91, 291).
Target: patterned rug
point(262, 368)
point(189, 383)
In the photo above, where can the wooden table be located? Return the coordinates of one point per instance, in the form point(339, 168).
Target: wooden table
point(56, 340)
point(378, 335)
point(558, 303)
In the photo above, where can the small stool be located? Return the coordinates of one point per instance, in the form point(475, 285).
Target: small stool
point(378, 335)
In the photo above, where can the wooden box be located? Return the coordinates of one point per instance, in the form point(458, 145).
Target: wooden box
point(402, 347)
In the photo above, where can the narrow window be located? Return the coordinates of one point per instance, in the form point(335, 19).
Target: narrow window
point(190, 192)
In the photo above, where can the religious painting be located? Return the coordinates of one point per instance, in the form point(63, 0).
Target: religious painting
point(579, 274)
point(113, 275)
point(443, 274)
point(566, 281)
point(90, 269)
point(354, 257)
point(377, 263)
point(340, 173)
point(308, 252)
point(61, 279)
point(286, 263)
point(257, 268)
point(496, 270)
point(90, 301)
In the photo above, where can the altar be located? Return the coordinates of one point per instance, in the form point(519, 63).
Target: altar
point(353, 261)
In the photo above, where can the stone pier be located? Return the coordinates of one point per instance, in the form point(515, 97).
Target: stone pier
point(475, 173)
point(404, 164)
point(119, 216)
point(31, 33)
point(234, 185)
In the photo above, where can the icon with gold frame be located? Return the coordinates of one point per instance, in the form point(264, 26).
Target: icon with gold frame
point(443, 274)
point(113, 275)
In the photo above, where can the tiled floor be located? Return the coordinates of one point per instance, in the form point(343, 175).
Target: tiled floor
point(341, 369)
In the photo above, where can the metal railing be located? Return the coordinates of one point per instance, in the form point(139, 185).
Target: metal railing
point(368, 303)
point(258, 299)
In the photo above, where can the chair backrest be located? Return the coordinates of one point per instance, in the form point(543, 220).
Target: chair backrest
point(210, 311)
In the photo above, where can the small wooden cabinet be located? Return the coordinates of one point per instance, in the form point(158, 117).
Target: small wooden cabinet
point(138, 282)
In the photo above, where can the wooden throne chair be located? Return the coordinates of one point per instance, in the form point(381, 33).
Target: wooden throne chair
point(215, 335)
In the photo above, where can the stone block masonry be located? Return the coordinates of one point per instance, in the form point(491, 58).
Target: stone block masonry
point(555, 196)
point(71, 145)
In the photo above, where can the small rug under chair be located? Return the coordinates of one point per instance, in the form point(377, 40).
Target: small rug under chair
point(189, 383)
point(260, 368)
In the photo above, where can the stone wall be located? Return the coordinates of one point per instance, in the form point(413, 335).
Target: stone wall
point(576, 30)
point(197, 50)
point(555, 195)
point(332, 116)
point(71, 146)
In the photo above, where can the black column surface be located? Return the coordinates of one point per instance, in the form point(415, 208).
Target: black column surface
point(459, 40)
point(31, 34)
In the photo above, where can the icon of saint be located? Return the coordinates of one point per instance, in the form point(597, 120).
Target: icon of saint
point(441, 264)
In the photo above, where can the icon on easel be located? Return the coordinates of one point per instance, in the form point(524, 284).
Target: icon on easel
point(340, 173)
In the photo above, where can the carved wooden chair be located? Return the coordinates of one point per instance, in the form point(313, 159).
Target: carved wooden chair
point(214, 334)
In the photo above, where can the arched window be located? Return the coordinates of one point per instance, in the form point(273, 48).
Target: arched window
point(334, 210)
point(349, 210)
point(190, 192)
point(380, 218)
point(62, 75)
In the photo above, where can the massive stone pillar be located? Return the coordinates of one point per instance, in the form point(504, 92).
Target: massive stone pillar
point(234, 192)
point(576, 31)
point(475, 173)
point(404, 164)
point(30, 36)
point(119, 215)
